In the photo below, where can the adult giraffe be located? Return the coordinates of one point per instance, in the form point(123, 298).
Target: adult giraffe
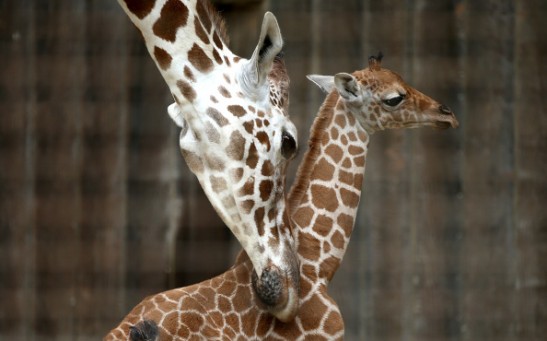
point(323, 202)
point(236, 135)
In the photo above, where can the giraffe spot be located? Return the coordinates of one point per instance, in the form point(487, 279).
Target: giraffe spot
point(358, 181)
point(224, 92)
point(359, 161)
point(227, 79)
point(240, 301)
point(227, 288)
point(258, 123)
point(174, 14)
point(271, 214)
point(340, 120)
point(203, 15)
point(248, 188)
point(345, 177)
point(189, 74)
point(236, 148)
point(218, 184)
point(183, 332)
point(259, 220)
point(334, 133)
point(199, 59)
point(312, 311)
point(328, 267)
point(354, 150)
point(324, 197)
point(217, 57)
point(252, 158)
point(350, 199)
point(263, 139)
point(352, 137)
point(193, 161)
point(326, 247)
point(224, 304)
point(249, 126)
point(140, 8)
point(251, 109)
point(247, 205)
point(346, 163)
point(267, 168)
point(323, 225)
point(187, 90)
point(236, 110)
point(344, 140)
point(200, 32)
point(192, 320)
point(345, 221)
point(227, 61)
point(162, 57)
point(312, 249)
point(216, 40)
point(237, 174)
point(214, 163)
point(323, 170)
point(338, 240)
point(351, 119)
point(303, 216)
point(248, 320)
point(333, 323)
point(305, 286)
point(265, 187)
point(334, 152)
point(214, 99)
point(220, 120)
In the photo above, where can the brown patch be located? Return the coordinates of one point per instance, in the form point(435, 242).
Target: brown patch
point(214, 163)
point(349, 198)
point(333, 324)
point(271, 214)
point(311, 248)
point(214, 99)
point(217, 117)
point(264, 139)
point(216, 40)
point(265, 187)
point(324, 197)
point(203, 14)
point(187, 90)
point(328, 267)
point(140, 8)
point(200, 32)
point(174, 14)
point(258, 123)
point(237, 174)
point(248, 205)
point(344, 140)
point(212, 133)
point(192, 320)
point(351, 120)
point(248, 188)
point(217, 57)
point(227, 78)
point(227, 61)
point(312, 312)
point(193, 161)
point(358, 181)
point(334, 133)
point(252, 158)
point(218, 184)
point(359, 161)
point(163, 57)
point(224, 92)
point(189, 74)
point(345, 177)
point(249, 126)
point(338, 240)
point(248, 320)
point(323, 225)
point(259, 220)
point(251, 109)
point(199, 59)
point(237, 110)
point(354, 150)
point(345, 221)
point(323, 170)
point(267, 168)
point(326, 247)
point(352, 136)
point(335, 152)
point(303, 216)
point(340, 120)
point(347, 163)
point(236, 148)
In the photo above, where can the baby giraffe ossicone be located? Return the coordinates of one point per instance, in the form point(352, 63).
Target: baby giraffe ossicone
point(323, 204)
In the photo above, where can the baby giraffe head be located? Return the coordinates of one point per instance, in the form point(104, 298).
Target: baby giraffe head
point(380, 99)
point(237, 139)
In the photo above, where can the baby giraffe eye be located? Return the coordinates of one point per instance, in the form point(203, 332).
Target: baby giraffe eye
point(288, 145)
point(393, 101)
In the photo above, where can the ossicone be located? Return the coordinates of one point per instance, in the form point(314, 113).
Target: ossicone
point(375, 62)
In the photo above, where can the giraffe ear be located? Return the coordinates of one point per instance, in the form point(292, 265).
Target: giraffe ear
point(176, 115)
point(269, 45)
point(347, 85)
point(325, 83)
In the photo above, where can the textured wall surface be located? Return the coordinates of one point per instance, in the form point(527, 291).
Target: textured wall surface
point(98, 209)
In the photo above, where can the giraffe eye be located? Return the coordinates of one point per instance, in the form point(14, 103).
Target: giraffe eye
point(394, 101)
point(288, 145)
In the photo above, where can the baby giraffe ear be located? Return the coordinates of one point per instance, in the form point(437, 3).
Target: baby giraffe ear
point(347, 85)
point(325, 83)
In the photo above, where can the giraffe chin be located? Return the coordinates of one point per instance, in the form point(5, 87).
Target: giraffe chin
point(278, 292)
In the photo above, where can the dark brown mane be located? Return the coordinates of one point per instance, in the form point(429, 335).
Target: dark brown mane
point(317, 134)
point(218, 22)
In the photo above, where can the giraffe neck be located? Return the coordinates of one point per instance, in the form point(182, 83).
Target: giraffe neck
point(324, 199)
point(184, 38)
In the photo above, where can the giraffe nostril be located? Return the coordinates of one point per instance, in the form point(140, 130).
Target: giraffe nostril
point(445, 110)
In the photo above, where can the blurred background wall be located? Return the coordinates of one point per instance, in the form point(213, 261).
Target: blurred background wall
point(98, 209)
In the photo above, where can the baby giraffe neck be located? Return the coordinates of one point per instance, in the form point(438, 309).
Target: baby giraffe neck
point(325, 198)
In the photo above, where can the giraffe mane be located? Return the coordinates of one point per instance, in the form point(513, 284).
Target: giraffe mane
point(216, 19)
point(317, 135)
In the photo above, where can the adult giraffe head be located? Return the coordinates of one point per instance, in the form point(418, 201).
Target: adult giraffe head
point(236, 135)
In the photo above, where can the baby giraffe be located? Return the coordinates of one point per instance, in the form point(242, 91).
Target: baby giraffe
point(323, 204)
